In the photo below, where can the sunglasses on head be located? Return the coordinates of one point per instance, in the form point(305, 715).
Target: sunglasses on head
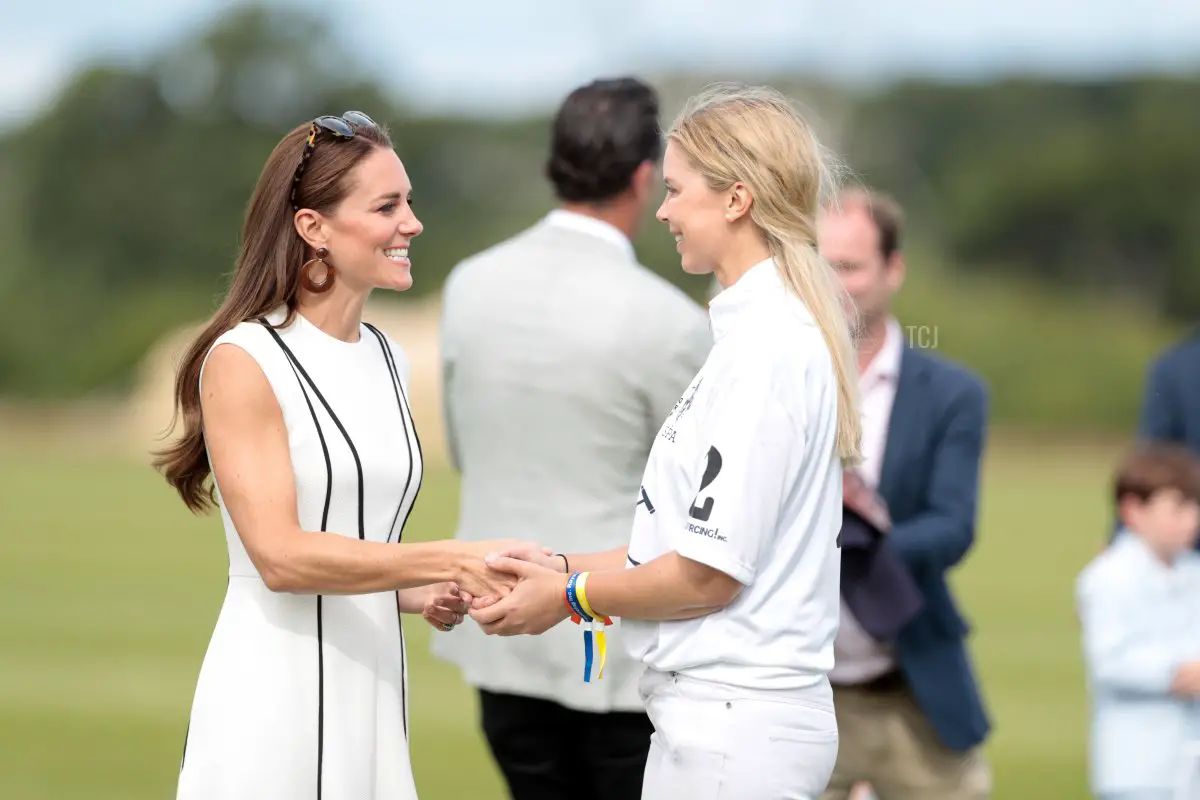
point(341, 128)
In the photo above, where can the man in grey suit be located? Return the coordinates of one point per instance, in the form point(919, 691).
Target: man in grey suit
point(562, 357)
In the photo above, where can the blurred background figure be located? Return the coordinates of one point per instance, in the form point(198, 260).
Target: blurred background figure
point(1170, 408)
point(1171, 398)
point(910, 715)
point(1139, 605)
point(562, 357)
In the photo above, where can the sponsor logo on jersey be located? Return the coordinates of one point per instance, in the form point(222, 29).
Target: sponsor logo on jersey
point(685, 402)
point(711, 533)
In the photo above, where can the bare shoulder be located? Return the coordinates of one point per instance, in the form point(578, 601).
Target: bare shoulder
point(245, 434)
point(234, 383)
point(247, 442)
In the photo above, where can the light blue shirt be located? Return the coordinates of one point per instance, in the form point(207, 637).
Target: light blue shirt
point(1141, 621)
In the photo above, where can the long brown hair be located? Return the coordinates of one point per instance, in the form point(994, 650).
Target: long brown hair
point(266, 276)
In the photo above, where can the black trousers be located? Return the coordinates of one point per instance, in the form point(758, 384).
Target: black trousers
point(549, 752)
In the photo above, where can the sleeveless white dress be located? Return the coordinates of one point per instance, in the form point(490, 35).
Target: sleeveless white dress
point(304, 697)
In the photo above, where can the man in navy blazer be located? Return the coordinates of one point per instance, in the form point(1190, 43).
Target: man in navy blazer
point(910, 712)
point(1171, 401)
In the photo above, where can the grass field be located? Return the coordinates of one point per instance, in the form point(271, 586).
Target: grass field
point(109, 590)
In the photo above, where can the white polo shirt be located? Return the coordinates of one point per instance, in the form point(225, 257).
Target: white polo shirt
point(744, 477)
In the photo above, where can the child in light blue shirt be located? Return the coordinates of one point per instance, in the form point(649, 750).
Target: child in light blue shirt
point(1139, 605)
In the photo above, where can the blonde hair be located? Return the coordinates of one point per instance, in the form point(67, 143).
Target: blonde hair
point(733, 133)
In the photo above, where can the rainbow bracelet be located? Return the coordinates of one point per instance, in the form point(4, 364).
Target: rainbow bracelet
point(581, 611)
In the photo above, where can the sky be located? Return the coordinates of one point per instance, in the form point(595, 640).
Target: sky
point(477, 56)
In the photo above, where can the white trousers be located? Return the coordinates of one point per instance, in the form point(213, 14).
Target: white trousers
point(715, 742)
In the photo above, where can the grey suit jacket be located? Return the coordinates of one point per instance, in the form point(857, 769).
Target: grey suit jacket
point(562, 357)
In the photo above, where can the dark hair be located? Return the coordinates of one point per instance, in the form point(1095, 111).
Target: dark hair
point(1151, 467)
point(266, 275)
point(885, 213)
point(602, 132)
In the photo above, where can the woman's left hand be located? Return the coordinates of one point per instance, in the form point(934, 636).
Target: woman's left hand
point(446, 606)
point(535, 605)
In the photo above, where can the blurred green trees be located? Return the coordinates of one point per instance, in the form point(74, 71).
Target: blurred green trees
point(1081, 185)
point(1053, 241)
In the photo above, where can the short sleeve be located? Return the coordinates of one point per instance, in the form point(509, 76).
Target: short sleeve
point(746, 441)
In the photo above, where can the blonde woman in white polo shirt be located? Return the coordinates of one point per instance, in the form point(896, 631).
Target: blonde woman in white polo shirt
point(729, 589)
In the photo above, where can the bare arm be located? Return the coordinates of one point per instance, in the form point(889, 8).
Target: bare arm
point(670, 587)
point(595, 562)
point(247, 441)
point(568, 562)
point(414, 600)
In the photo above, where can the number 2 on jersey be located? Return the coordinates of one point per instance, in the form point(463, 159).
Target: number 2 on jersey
point(712, 468)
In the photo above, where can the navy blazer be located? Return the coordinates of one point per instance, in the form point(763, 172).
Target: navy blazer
point(930, 481)
point(1171, 399)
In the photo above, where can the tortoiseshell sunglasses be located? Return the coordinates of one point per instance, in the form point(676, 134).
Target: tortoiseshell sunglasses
point(340, 127)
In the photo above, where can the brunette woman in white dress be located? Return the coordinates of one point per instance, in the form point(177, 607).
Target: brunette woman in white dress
point(298, 413)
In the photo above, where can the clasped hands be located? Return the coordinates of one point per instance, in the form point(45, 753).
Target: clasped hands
point(507, 587)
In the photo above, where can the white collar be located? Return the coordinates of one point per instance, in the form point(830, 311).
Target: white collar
point(582, 223)
point(1130, 541)
point(762, 281)
point(886, 363)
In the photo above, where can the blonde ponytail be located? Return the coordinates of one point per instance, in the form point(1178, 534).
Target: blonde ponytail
point(813, 281)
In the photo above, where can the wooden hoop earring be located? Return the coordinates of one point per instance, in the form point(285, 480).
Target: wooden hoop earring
point(306, 278)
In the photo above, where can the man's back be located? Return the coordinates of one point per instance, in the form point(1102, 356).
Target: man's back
point(562, 357)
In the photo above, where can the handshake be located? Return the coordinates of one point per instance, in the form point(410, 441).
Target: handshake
point(508, 587)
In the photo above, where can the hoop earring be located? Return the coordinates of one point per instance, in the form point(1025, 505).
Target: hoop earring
point(306, 278)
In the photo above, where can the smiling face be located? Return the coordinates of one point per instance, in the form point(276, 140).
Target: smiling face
point(694, 213)
point(369, 232)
